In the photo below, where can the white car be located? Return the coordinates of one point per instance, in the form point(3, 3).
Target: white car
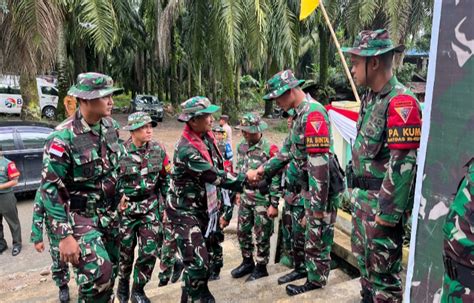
point(11, 101)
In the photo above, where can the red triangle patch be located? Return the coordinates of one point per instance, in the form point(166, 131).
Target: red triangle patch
point(404, 112)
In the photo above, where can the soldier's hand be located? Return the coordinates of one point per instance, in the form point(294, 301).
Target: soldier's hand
point(272, 212)
point(39, 247)
point(123, 203)
point(237, 199)
point(252, 176)
point(223, 222)
point(383, 222)
point(69, 250)
point(303, 222)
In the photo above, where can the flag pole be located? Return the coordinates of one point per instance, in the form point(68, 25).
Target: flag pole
point(338, 46)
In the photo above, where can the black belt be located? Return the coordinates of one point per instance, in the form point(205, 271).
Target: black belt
point(140, 197)
point(459, 272)
point(367, 183)
point(78, 203)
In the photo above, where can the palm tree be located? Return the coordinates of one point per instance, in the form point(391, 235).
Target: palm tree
point(27, 39)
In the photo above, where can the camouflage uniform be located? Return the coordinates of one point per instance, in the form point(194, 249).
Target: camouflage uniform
point(197, 169)
point(144, 176)
point(168, 250)
point(59, 269)
point(384, 159)
point(253, 206)
point(459, 243)
point(308, 150)
point(79, 174)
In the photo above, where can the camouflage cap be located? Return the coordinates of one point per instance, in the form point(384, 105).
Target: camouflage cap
point(280, 83)
point(218, 129)
point(252, 123)
point(137, 120)
point(92, 86)
point(372, 43)
point(196, 106)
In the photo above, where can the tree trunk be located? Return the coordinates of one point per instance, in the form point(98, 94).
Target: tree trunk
point(323, 55)
point(29, 93)
point(238, 72)
point(145, 72)
point(190, 69)
point(272, 69)
point(63, 75)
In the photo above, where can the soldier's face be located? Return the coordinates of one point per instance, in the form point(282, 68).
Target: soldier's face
point(101, 107)
point(251, 138)
point(286, 100)
point(202, 124)
point(219, 136)
point(143, 134)
point(358, 70)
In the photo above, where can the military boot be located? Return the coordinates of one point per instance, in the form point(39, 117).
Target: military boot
point(163, 282)
point(123, 290)
point(184, 296)
point(215, 274)
point(206, 296)
point(177, 270)
point(138, 295)
point(259, 271)
point(64, 294)
point(292, 289)
point(292, 276)
point(246, 267)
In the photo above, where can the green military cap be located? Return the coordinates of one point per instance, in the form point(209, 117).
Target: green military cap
point(92, 86)
point(372, 43)
point(280, 83)
point(137, 120)
point(196, 106)
point(252, 123)
point(218, 129)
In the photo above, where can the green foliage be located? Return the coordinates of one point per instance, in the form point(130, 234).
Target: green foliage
point(405, 72)
point(122, 100)
point(281, 127)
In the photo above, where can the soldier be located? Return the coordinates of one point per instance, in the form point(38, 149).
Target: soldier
point(458, 284)
point(80, 165)
point(59, 269)
point(9, 176)
point(144, 176)
point(384, 159)
point(171, 266)
point(307, 148)
point(256, 210)
point(192, 204)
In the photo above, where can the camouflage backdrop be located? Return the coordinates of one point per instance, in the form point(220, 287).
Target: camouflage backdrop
point(447, 141)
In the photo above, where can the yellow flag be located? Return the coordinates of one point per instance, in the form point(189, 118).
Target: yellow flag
point(307, 7)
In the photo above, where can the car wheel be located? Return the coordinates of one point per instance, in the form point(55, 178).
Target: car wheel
point(49, 112)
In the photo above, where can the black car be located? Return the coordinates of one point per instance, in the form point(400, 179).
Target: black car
point(149, 104)
point(23, 143)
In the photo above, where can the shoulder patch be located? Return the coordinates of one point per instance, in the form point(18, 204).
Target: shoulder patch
point(316, 133)
point(404, 123)
point(56, 147)
point(12, 170)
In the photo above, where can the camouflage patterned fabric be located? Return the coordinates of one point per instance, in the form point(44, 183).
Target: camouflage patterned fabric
point(196, 106)
point(137, 120)
point(144, 175)
point(168, 250)
point(59, 269)
point(80, 165)
point(252, 123)
point(372, 43)
point(377, 248)
point(92, 86)
point(197, 164)
point(459, 239)
point(253, 206)
point(309, 153)
point(280, 83)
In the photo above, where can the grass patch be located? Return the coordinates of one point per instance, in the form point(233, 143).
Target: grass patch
point(281, 127)
point(123, 100)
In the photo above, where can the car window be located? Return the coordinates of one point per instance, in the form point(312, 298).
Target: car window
point(33, 139)
point(48, 90)
point(4, 89)
point(148, 100)
point(15, 90)
point(6, 141)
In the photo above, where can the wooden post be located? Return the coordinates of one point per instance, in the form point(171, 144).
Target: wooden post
point(344, 64)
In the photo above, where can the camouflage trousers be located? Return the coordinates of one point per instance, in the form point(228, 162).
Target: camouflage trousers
point(215, 250)
point(454, 292)
point(378, 250)
point(98, 263)
point(194, 251)
point(298, 235)
point(59, 269)
point(286, 223)
point(319, 237)
point(254, 217)
point(167, 250)
point(144, 230)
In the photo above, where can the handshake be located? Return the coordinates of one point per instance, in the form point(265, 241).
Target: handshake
point(254, 176)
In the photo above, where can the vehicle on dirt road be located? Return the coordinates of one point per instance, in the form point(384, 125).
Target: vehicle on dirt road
point(149, 104)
